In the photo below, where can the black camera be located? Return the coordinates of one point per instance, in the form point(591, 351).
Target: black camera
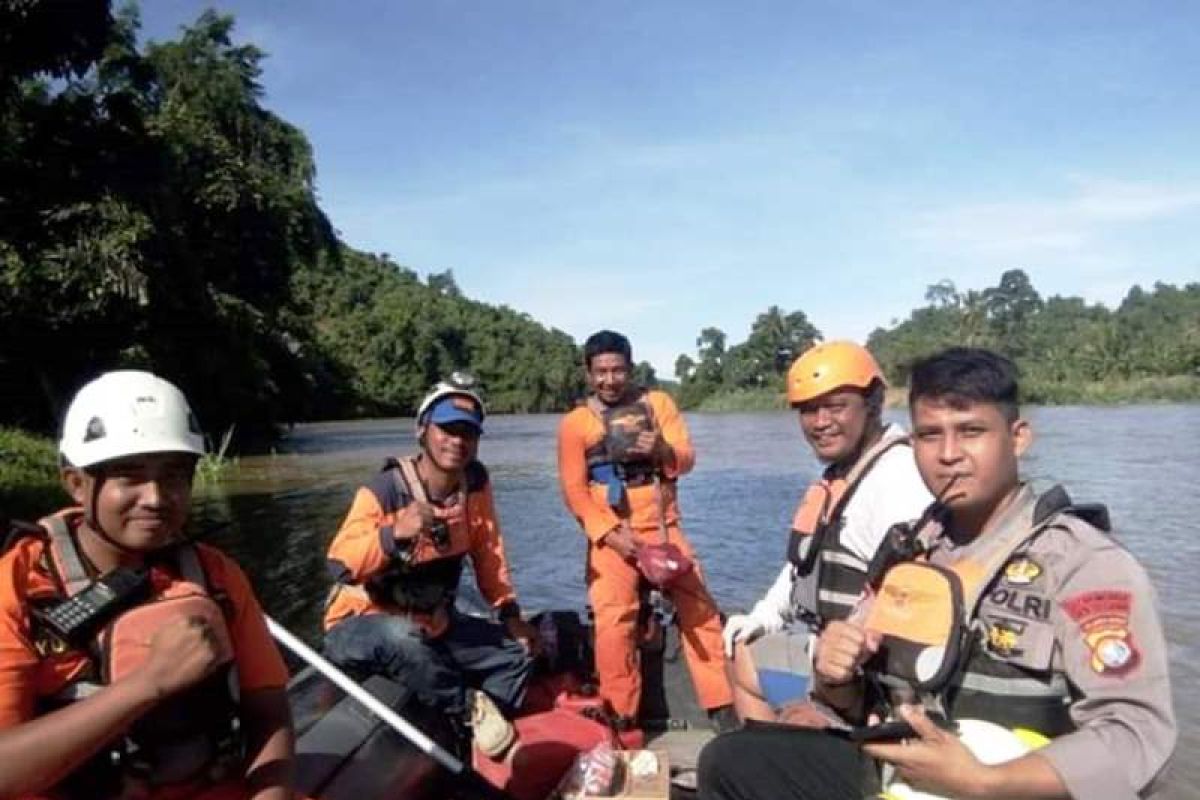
point(439, 534)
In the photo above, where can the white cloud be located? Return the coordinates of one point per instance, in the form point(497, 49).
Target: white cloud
point(1075, 225)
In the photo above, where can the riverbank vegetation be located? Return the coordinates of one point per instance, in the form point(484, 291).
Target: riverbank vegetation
point(29, 485)
point(1068, 351)
point(154, 213)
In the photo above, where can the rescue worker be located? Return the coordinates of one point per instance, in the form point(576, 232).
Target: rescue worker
point(619, 457)
point(397, 560)
point(134, 663)
point(870, 481)
point(1009, 607)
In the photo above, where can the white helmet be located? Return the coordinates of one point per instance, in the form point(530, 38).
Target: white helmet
point(127, 413)
point(988, 742)
point(459, 384)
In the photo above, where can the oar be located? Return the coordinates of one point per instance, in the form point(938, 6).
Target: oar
point(395, 721)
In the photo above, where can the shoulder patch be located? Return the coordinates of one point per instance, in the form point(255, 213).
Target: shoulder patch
point(1103, 618)
point(1022, 571)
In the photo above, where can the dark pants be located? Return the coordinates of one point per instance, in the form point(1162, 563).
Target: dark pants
point(472, 652)
point(770, 762)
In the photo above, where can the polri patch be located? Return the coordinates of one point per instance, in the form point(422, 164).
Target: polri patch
point(1029, 605)
point(1022, 571)
point(1103, 617)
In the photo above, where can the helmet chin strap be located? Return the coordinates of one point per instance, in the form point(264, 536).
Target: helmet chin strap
point(871, 433)
point(93, 522)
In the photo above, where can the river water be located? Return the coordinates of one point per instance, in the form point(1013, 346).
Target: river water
point(280, 511)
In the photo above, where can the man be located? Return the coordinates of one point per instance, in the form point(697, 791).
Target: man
point(119, 641)
point(397, 560)
point(619, 456)
point(869, 483)
point(1063, 633)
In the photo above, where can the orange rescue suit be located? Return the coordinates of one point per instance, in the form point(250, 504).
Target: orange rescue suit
point(28, 677)
point(363, 552)
point(613, 581)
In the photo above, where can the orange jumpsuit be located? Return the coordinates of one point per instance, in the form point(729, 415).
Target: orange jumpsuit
point(613, 582)
point(27, 677)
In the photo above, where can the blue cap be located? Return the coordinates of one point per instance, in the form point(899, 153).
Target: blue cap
point(457, 408)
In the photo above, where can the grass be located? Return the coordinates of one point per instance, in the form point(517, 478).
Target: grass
point(744, 400)
point(1168, 389)
point(216, 464)
point(29, 485)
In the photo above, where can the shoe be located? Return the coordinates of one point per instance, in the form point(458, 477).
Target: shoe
point(723, 719)
point(685, 779)
point(493, 733)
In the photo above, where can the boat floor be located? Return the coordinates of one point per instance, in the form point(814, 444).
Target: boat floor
point(683, 750)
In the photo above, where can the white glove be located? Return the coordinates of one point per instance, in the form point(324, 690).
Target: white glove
point(741, 628)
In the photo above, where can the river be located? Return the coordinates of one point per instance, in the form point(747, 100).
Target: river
point(279, 512)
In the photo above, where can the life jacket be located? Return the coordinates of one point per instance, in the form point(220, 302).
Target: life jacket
point(831, 576)
point(933, 641)
point(424, 578)
point(609, 461)
point(194, 735)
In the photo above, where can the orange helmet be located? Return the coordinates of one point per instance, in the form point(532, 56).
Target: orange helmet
point(826, 366)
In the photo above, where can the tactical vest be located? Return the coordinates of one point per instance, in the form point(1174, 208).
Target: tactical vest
point(828, 577)
point(193, 735)
point(935, 643)
point(609, 461)
point(427, 583)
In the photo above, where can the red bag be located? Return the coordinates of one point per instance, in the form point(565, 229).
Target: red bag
point(662, 564)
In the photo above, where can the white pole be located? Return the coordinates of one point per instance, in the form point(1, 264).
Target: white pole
point(379, 709)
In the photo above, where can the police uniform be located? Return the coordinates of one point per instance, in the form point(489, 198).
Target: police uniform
point(1066, 638)
point(1069, 632)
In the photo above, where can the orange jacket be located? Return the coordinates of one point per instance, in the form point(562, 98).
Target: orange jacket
point(27, 677)
point(364, 549)
point(580, 430)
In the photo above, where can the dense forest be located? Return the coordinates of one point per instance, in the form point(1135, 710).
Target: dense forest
point(153, 213)
point(1067, 349)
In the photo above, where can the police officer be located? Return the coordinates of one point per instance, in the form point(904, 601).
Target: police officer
point(1065, 638)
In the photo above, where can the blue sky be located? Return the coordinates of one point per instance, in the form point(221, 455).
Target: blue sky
point(659, 167)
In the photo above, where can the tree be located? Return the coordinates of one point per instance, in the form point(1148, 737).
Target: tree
point(644, 375)
point(443, 283)
point(711, 347)
point(685, 367)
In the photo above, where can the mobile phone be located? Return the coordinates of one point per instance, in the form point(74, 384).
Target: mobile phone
point(896, 729)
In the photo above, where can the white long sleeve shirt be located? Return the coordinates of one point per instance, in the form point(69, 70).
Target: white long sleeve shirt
point(891, 492)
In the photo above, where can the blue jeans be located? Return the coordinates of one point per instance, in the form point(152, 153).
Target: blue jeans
point(472, 652)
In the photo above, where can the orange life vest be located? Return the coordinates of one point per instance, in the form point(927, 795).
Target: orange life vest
point(193, 735)
point(830, 575)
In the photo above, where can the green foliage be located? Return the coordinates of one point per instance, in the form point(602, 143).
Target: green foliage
point(749, 375)
point(396, 336)
point(216, 463)
point(156, 215)
point(763, 399)
point(1066, 349)
point(29, 486)
point(49, 36)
